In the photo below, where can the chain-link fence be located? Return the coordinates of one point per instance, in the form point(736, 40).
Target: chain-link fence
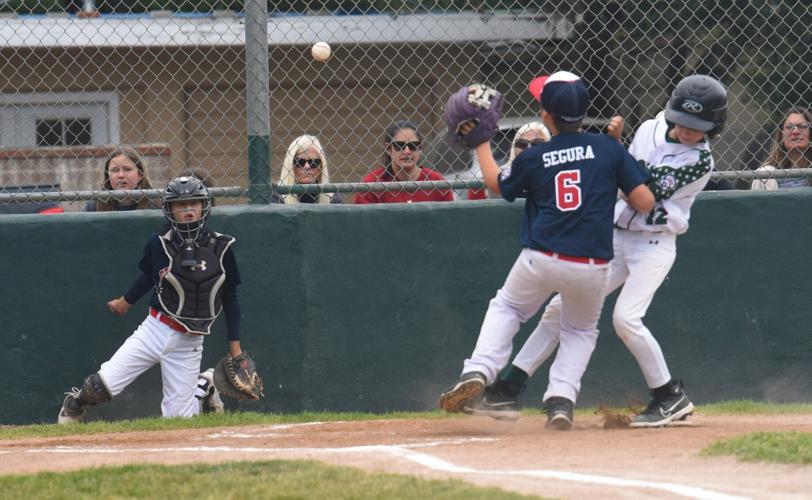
point(168, 79)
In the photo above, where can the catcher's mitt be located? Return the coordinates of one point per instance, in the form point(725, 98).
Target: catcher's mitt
point(237, 377)
point(475, 103)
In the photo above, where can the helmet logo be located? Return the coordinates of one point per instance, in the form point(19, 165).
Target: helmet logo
point(692, 106)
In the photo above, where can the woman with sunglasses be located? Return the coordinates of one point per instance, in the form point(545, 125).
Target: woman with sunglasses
point(305, 163)
point(529, 134)
point(401, 163)
point(790, 149)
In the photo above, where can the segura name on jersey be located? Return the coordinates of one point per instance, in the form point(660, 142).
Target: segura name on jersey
point(553, 158)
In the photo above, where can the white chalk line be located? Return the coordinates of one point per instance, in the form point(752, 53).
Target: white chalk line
point(275, 427)
point(405, 451)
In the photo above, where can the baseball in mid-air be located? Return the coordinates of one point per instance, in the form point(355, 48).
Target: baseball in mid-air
point(320, 51)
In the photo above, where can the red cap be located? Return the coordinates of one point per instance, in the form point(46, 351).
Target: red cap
point(536, 85)
point(562, 94)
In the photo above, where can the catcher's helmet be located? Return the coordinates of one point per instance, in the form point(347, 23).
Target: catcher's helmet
point(186, 189)
point(698, 102)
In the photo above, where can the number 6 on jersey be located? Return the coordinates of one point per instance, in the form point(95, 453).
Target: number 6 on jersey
point(567, 191)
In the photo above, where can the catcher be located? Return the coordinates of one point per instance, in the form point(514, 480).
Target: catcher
point(193, 275)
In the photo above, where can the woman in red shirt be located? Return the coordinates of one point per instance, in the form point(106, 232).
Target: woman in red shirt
point(403, 147)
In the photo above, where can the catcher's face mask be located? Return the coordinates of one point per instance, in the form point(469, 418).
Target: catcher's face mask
point(186, 193)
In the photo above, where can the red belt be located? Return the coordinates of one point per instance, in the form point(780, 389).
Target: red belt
point(167, 320)
point(572, 258)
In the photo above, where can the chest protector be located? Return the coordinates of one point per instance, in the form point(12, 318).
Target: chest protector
point(192, 294)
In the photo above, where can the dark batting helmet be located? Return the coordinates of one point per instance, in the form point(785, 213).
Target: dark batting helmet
point(698, 102)
point(186, 189)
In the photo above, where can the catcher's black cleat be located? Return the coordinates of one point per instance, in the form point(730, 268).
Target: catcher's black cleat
point(72, 411)
point(469, 386)
point(499, 401)
point(559, 413)
point(669, 404)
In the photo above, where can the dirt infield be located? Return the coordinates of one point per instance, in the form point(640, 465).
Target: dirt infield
point(588, 461)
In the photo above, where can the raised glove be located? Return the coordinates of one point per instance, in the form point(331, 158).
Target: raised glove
point(476, 103)
point(237, 377)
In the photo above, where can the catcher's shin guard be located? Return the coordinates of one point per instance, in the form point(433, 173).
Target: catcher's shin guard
point(93, 391)
point(76, 401)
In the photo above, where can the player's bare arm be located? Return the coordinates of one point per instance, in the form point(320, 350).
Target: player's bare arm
point(119, 306)
point(490, 170)
point(615, 127)
point(234, 348)
point(641, 199)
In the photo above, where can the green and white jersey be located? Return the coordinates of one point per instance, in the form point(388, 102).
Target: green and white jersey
point(678, 173)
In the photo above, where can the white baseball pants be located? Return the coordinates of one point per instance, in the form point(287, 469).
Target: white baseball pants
point(179, 355)
point(531, 281)
point(642, 261)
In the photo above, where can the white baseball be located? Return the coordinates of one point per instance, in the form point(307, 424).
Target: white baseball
point(320, 51)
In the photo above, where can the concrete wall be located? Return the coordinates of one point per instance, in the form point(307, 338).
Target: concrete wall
point(375, 308)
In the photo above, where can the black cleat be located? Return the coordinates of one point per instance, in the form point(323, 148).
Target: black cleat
point(497, 402)
point(469, 386)
point(72, 411)
point(559, 413)
point(665, 408)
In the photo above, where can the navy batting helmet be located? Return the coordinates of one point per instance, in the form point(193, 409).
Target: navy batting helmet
point(186, 189)
point(698, 102)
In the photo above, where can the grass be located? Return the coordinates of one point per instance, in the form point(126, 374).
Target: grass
point(747, 407)
point(287, 479)
point(228, 419)
point(780, 447)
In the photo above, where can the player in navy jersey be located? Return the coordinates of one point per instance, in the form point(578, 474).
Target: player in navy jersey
point(570, 184)
point(192, 273)
point(675, 147)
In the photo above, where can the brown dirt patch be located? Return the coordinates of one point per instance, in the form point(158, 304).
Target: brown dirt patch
point(588, 461)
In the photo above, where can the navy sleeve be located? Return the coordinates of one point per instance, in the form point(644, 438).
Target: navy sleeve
point(231, 302)
point(145, 264)
point(230, 267)
point(142, 285)
point(631, 173)
point(231, 308)
point(516, 179)
point(144, 282)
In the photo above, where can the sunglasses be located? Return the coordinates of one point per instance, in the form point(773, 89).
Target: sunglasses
point(304, 162)
point(523, 144)
point(789, 127)
point(400, 145)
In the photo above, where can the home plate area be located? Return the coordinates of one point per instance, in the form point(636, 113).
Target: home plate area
point(522, 456)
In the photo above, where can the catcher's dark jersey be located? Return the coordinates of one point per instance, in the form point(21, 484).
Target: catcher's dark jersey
point(155, 261)
point(571, 185)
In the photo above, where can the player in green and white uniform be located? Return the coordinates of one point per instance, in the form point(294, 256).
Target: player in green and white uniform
point(674, 146)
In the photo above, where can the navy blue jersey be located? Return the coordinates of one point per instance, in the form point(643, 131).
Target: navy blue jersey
point(571, 185)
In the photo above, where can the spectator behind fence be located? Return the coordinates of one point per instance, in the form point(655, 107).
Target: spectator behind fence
point(530, 134)
point(123, 169)
point(305, 163)
point(790, 149)
point(203, 175)
point(403, 146)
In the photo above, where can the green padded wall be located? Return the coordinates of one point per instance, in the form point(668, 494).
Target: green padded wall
point(374, 308)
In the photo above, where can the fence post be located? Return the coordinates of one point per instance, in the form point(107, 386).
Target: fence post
point(257, 100)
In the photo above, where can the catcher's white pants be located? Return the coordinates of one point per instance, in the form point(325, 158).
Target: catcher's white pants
point(533, 278)
point(179, 355)
point(642, 261)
